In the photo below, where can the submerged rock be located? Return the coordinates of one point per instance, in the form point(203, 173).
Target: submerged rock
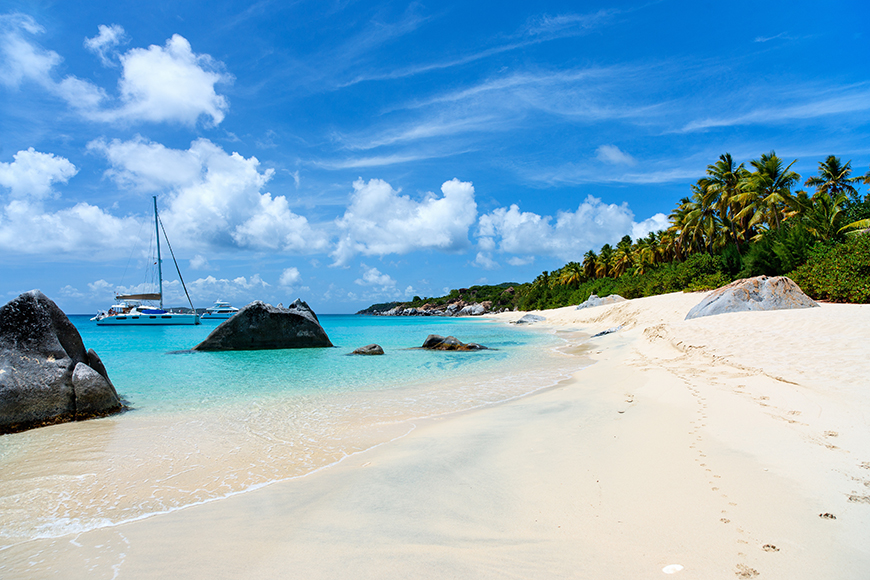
point(437, 342)
point(370, 349)
point(759, 293)
point(261, 326)
point(46, 375)
point(594, 300)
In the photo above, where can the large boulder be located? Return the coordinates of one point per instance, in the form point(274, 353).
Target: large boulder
point(437, 342)
point(46, 375)
point(594, 300)
point(260, 326)
point(759, 293)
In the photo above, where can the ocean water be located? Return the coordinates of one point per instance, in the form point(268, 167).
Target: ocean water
point(205, 426)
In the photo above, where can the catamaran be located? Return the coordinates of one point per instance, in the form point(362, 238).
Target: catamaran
point(129, 309)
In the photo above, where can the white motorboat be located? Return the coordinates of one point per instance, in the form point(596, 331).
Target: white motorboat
point(129, 311)
point(220, 311)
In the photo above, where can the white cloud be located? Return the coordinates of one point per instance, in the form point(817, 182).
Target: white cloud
point(209, 288)
point(25, 225)
point(653, 224)
point(612, 154)
point(31, 174)
point(70, 291)
point(108, 38)
point(485, 261)
point(289, 277)
point(83, 230)
point(518, 261)
point(199, 262)
point(214, 199)
point(573, 233)
point(380, 221)
point(373, 277)
point(167, 83)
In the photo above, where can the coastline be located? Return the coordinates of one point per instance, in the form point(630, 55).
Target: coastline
point(713, 444)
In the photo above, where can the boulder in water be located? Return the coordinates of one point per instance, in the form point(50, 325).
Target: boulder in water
point(261, 326)
point(370, 349)
point(759, 293)
point(437, 342)
point(46, 375)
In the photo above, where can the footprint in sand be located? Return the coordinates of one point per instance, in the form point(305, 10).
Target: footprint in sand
point(827, 516)
point(725, 520)
point(769, 548)
point(831, 434)
point(744, 571)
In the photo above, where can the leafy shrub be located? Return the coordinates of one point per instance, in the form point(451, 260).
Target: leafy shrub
point(837, 272)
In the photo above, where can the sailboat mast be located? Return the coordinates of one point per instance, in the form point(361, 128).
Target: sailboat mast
point(159, 261)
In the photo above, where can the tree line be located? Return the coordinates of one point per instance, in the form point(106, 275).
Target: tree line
point(747, 221)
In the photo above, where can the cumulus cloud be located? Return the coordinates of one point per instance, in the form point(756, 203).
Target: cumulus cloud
point(289, 277)
point(167, 83)
point(104, 43)
point(379, 220)
point(612, 154)
point(215, 199)
point(373, 277)
point(27, 227)
point(653, 224)
point(31, 174)
point(567, 236)
point(225, 288)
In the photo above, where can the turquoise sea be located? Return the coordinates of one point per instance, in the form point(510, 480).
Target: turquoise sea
point(204, 426)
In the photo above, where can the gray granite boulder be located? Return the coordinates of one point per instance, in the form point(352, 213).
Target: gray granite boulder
point(437, 342)
point(46, 375)
point(370, 349)
point(596, 301)
point(759, 293)
point(530, 319)
point(260, 326)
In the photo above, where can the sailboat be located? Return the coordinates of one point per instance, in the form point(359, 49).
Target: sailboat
point(129, 311)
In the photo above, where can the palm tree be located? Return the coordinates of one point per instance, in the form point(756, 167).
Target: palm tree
point(724, 183)
point(572, 273)
point(602, 264)
point(768, 190)
point(833, 178)
point(621, 257)
point(590, 260)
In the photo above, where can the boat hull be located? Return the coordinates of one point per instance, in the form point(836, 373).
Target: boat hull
point(149, 320)
point(218, 316)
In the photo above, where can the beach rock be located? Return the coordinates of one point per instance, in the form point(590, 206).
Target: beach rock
point(371, 349)
point(594, 300)
point(530, 319)
point(260, 326)
point(759, 293)
point(46, 375)
point(610, 330)
point(437, 342)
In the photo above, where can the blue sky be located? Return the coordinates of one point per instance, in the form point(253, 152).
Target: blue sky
point(357, 152)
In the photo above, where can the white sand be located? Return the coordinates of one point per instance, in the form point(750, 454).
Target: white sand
point(712, 444)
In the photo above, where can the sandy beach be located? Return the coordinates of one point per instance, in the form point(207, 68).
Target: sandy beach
point(728, 446)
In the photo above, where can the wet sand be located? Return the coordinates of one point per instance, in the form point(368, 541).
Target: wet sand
point(730, 446)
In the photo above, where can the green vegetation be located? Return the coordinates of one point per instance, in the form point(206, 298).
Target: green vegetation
point(738, 222)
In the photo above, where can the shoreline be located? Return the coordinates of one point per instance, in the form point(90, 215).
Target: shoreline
point(713, 444)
